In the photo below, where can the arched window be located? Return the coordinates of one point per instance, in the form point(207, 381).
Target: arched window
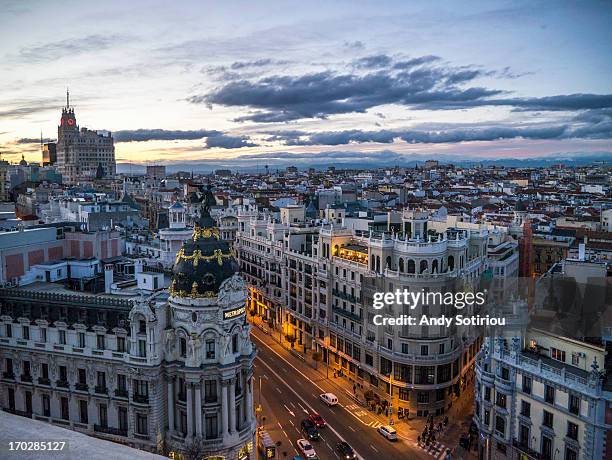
point(434, 266)
point(378, 264)
point(401, 265)
point(451, 263)
point(373, 263)
point(388, 263)
point(336, 249)
point(411, 266)
point(423, 266)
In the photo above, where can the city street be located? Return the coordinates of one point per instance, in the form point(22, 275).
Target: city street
point(290, 393)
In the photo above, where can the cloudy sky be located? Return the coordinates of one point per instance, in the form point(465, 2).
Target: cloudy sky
point(329, 81)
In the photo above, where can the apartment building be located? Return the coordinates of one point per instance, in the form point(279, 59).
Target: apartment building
point(313, 284)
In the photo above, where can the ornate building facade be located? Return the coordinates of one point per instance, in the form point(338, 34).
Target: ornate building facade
point(161, 372)
point(82, 154)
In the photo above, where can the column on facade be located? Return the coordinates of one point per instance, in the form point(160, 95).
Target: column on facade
point(232, 405)
point(171, 403)
point(224, 407)
point(198, 409)
point(249, 399)
point(189, 410)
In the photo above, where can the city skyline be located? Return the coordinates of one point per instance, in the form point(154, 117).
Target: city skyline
point(288, 83)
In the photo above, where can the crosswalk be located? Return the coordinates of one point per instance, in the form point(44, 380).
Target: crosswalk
point(437, 450)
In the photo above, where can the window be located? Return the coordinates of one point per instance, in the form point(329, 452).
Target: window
point(235, 343)
point(63, 373)
point(574, 404)
point(9, 330)
point(62, 337)
point(424, 350)
point(546, 448)
point(525, 409)
point(121, 382)
point(142, 348)
point(549, 394)
point(527, 385)
point(100, 342)
point(123, 420)
point(210, 349)
point(141, 387)
point(524, 435)
point(575, 359)
point(501, 447)
point(26, 369)
point(103, 415)
point(500, 425)
point(46, 405)
point(65, 412)
point(83, 411)
point(210, 426)
point(487, 417)
point(44, 370)
point(82, 376)
point(43, 334)
point(101, 380)
point(183, 347)
point(210, 391)
point(81, 337)
point(142, 327)
point(141, 424)
point(505, 373)
point(570, 454)
point(441, 349)
point(500, 400)
point(547, 419)
point(369, 360)
point(405, 348)
point(487, 393)
point(121, 344)
point(404, 394)
point(557, 354)
point(572, 430)
point(422, 397)
point(25, 332)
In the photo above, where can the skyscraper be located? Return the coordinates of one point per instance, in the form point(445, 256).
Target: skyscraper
point(82, 154)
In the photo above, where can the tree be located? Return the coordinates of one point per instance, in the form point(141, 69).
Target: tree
point(194, 449)
point(316, 357)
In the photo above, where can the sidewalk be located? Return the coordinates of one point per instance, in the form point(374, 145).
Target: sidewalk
point(407, 429)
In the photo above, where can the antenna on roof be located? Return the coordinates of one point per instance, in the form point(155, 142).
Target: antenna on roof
point(67, 98)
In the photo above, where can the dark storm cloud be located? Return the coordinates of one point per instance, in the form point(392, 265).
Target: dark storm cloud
point(224, 141)
point(373, 62)
point(317, 95)
point(70, 47)
point(141, 135)
point(421, 82)
point(33, 140)
point(602, 130)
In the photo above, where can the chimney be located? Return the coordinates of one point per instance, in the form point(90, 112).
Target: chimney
point(108, 278)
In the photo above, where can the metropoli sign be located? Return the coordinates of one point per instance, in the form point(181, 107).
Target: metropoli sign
point(229, 314)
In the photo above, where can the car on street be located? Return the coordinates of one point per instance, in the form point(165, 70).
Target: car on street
point(317, 420)
point(329, 398)
point(345, 450)
point(388, 432)
point(310, 430)
point(306, 448)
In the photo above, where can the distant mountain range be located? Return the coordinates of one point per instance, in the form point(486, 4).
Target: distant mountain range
point(346, 160)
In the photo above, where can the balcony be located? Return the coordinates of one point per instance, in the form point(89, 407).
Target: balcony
point(82, 387)
point(531, 454)
point(110, 430)
point(346, 296)
point(26, 378)
point(121, 393)
point(8, 375)
point(62, 384)
point(101, 389)
point(347, 314)
point(44, 381)
point(142, 399)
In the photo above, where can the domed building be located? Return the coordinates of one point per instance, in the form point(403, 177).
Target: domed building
point(208, 352)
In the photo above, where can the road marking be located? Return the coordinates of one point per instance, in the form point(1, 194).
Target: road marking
point(264, 376)
point(279, 390)
point(373, 448)
point(305, 411)
point(290, 411)
point(338, 435)
point(351, 428)
point(292, 405)
point(302, 374)
point(291, 423)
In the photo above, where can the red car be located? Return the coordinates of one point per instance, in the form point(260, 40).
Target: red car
point(317, 420)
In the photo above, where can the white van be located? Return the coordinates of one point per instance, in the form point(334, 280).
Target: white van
point(329, 399)
point(388, 432)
